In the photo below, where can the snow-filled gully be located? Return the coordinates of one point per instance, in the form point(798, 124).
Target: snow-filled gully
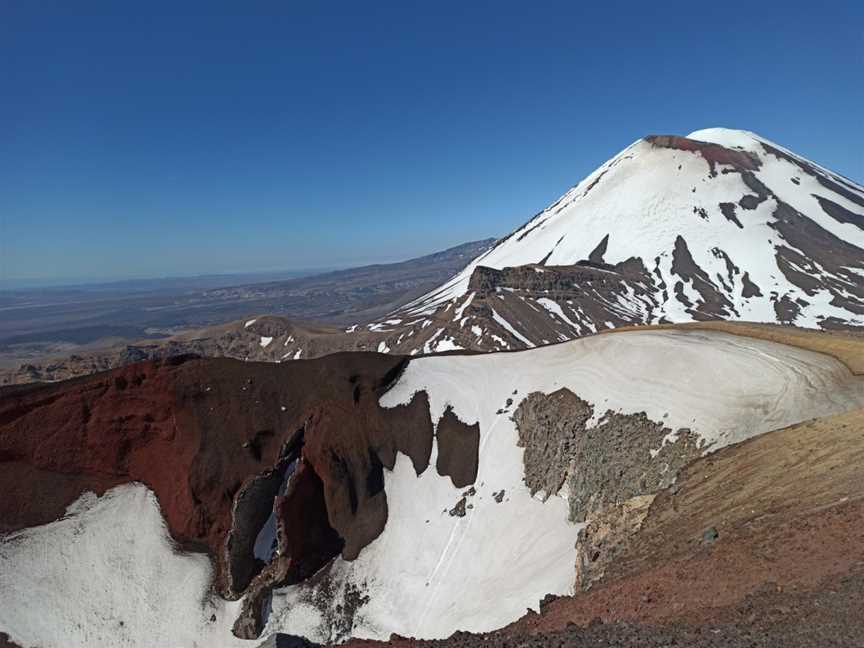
point(265, 542)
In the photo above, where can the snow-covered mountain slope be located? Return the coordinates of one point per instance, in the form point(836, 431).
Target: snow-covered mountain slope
point(723, 224)
point(466, 551)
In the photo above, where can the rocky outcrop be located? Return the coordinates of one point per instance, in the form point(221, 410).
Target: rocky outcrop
point(606, 535)
point(618, 458)
point(458, 445)
point(306, 542)
point(550, 427)
point(611, 470)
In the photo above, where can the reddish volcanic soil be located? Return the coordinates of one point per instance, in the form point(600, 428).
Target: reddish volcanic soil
point(714, 154)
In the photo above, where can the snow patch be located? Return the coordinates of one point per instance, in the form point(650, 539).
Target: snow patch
point(509, 327)
point(555, 308)
point(108, 574)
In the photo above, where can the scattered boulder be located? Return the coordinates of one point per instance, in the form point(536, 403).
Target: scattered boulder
point(459, 509)
point(709, 535)
point(605, 537)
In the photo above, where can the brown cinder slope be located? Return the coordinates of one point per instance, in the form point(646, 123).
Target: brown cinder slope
point(845, 346)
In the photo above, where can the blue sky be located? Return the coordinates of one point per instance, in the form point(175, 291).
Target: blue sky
point(229, 137)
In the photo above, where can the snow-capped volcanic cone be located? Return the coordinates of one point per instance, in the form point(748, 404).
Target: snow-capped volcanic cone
point(719, 225)
point(722, 224)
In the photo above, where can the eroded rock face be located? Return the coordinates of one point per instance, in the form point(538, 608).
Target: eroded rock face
point(351, 464)
point(611, 470)
point(213, 438)
point(585, 294)
point(458, 445)
point(253, 505)
point(605, 536)
point(305, 544)
point(614, 461)
point(622, 456)
point(549, 429)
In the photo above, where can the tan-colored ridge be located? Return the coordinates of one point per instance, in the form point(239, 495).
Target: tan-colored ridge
point(846, 347)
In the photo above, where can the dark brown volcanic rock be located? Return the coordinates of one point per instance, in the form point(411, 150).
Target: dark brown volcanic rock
point(351, 461)
point(610, 455)
point(458, 444)
point(305, 534)
point(6, 642)
point(306, 543)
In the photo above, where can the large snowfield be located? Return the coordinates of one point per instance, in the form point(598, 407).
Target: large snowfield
point(108, 575)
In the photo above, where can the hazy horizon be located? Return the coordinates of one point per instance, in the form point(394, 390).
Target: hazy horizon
point(25, 283)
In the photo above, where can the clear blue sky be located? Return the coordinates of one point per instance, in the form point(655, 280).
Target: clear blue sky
point(241, 136)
